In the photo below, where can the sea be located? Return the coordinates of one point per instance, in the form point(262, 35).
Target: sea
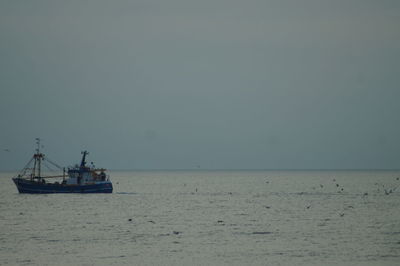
point(205, 217)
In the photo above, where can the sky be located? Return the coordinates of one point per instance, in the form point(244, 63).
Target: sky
point(182, 84)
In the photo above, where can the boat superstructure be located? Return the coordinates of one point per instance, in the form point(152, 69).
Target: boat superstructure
point(79, 179)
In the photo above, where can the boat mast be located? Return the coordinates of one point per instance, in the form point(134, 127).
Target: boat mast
point(38, 152)
point(33, 174)
point(38, 158)
point(83, 162)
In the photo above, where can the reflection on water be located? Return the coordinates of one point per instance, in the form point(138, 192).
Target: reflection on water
point(209, 217)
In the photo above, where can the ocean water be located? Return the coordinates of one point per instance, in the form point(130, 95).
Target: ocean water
point(209, 218)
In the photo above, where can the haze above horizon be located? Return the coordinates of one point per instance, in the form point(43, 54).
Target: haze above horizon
point(220, 84)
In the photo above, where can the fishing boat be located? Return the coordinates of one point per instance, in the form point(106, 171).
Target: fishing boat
point(79, 179)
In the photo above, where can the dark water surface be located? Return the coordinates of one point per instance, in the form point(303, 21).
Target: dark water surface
point(209, 218)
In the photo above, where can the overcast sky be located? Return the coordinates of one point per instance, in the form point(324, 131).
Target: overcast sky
point(215, 84)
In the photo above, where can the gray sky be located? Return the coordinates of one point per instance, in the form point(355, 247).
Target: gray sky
point(156, 84)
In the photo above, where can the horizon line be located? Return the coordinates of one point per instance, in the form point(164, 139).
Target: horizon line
point(241, 169)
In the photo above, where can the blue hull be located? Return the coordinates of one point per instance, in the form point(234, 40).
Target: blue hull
point(27, 186)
